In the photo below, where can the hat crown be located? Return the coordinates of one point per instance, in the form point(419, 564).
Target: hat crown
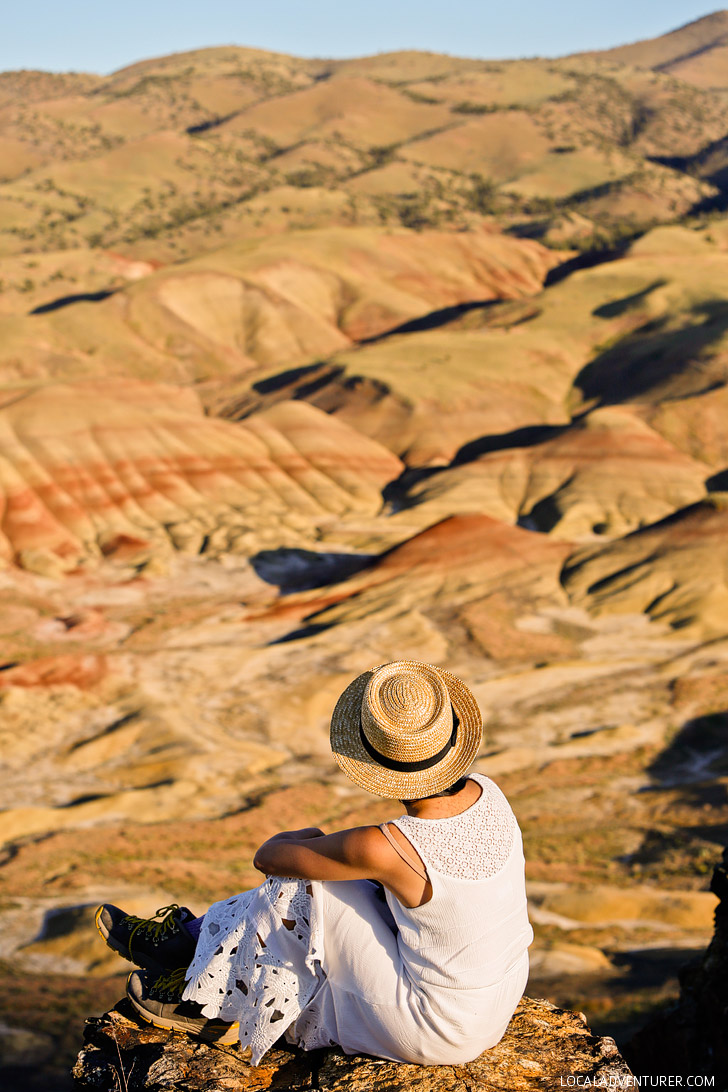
point(406, 712)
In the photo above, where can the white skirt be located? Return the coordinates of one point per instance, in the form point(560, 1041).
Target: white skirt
point(320, 963)
point(258, 960)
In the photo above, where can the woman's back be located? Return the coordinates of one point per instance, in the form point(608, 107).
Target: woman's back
point(435, 983)
point(475, 926)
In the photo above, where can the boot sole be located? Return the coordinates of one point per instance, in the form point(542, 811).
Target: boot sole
point(213, 1032)
point(150, 965)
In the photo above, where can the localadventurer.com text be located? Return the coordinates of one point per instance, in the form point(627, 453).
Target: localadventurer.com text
point(577, 1080)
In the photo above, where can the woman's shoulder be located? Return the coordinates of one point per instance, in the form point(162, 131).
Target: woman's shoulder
point(474, 845)
point(492, 794)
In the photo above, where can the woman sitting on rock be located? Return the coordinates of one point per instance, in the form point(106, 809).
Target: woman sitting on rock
point(407, 941)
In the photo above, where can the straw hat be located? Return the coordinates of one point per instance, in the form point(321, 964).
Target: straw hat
point(406, 730)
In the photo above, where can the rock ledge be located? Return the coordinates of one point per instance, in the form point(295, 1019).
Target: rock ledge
point(689, 1038)
point(542, 1044)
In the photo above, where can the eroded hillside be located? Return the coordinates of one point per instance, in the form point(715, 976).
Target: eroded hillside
point(310, 365)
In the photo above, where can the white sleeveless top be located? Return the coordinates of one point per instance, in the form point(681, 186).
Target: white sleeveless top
point(476, 924)
point(331, 963)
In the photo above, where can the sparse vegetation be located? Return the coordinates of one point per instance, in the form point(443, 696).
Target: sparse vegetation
point(417, 96)
point(380, 155)
point(417, 213)
point(166, 179)
point(468, 107)
point(315, 175)
point(481, 196)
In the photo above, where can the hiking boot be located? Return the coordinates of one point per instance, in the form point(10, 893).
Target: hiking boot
point(158, 944)
point(159, 1002)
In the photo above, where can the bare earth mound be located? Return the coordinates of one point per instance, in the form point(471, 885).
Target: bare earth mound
point(122, 471)
point(673, 570)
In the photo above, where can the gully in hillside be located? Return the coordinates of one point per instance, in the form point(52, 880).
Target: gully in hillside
point(407, 941)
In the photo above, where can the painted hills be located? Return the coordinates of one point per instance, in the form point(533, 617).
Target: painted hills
point(307, 365)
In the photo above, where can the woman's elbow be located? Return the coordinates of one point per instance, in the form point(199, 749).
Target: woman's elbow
point(261, 861)
point(272, 858)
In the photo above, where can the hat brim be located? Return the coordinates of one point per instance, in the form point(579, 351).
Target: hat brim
point(365, 771)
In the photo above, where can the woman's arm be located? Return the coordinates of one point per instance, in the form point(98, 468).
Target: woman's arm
point(362, 853)
point(359, 853)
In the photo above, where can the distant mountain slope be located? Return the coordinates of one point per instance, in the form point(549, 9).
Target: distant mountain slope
point(172, 155)
point(696, 52)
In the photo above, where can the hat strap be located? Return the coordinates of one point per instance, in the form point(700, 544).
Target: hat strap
point(410, 767)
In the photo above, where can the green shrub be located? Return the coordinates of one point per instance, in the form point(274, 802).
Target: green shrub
point(474, 107)
point(415, 213)
point(416, 96)
point(481, 197)
point(315, 175)
point(381, 154)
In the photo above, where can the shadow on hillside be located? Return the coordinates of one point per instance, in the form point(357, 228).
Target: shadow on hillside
point(658, 361)
point(717, 483)
point(587, 260)
point(295, 570)
point(697, 754)
point(432, 320)
point(528, 436)
point(326, 386)
point(619, 307)
point(300, 634)
point(66, 301)
point(211, 123)
point(316, 375)
point(710, 164)
point(396, 493)
point(717, 203)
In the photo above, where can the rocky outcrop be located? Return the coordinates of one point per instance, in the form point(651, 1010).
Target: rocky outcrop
point(542, 1044)
point(690, 1038)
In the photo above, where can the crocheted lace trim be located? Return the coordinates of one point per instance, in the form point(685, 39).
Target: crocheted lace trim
point(249, 959)
point(474, 845)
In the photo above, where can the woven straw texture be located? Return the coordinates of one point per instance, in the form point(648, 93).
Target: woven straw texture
point(405, 710)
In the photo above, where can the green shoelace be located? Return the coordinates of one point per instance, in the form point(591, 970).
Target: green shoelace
point(150, 927)
point(169, 986)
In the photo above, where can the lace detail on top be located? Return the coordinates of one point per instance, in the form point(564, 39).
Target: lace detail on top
point(474, 845)
point(257, 960)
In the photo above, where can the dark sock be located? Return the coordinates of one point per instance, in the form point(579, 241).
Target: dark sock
point(193, 927)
